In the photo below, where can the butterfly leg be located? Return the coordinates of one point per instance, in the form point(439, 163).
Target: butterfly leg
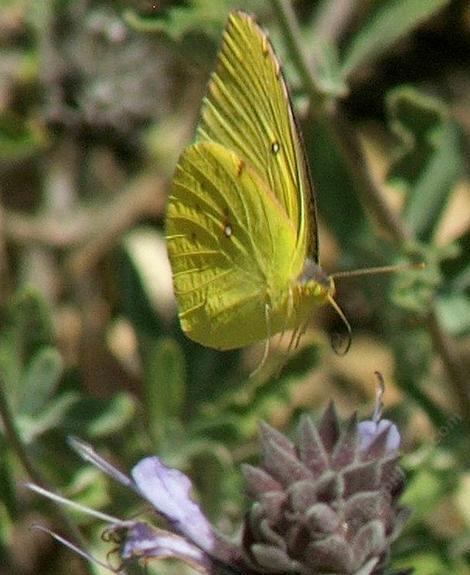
point(267, 341)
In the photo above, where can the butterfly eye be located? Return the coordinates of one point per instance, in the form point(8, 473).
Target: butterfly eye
point(275, 147)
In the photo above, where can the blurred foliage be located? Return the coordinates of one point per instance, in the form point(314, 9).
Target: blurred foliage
point(97, 99)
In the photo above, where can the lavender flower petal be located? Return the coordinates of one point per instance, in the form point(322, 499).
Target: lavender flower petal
point(144, 541)
point(88, 453)
point(370, 430)
point(168, 491)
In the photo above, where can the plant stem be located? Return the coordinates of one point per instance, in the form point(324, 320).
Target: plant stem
point(14, 437)
point(290, 26)
point(452, 364)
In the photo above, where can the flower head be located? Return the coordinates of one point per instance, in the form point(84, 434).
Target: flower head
point(327, 503)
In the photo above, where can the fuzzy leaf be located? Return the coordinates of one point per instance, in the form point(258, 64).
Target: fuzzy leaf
point(345, 449)
point(331, 554)
point(361, 477)
point(329, 429)
point(279, 462)
point(276, 437)
point(258, 481)
point(274, 559)
point(322, 518)
point(311, 450)
point(302, 495)
point(370, 540)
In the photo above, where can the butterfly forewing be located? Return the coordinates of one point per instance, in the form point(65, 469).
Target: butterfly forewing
point(248, 111)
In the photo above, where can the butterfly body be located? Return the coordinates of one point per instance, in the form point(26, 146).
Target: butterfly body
point(241, 224)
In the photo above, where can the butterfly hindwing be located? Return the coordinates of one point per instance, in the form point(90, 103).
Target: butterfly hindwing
point(230, 245)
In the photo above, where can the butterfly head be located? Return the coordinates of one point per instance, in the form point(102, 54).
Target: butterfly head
point(316, 282)
point(314, 275)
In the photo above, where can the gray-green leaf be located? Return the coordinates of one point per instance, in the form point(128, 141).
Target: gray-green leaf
point(390, 21)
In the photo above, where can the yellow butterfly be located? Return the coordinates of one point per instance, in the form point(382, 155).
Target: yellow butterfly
point(241, 221)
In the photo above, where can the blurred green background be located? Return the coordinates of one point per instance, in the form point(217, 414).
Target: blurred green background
point(97, 100)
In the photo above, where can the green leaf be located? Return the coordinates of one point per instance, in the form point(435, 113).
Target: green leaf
point(453, 302)
point(417, 120)
point(328, 73)
point(30, 317)
point(454, 312)
point(301, 363)
point(200, 16)
point(456, 267)
point(40, 380)
point(427, 201)
point(236, 414)
point(97, 418)
point(53, 416)
point(116, 414)
point(428, 160)
point(27, 329)
point(165, 383)
point(415, 289)
point(389, 21)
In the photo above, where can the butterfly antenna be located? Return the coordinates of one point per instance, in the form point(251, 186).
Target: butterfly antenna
point(379, 270)
point(266, 342)
point(339, 311)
